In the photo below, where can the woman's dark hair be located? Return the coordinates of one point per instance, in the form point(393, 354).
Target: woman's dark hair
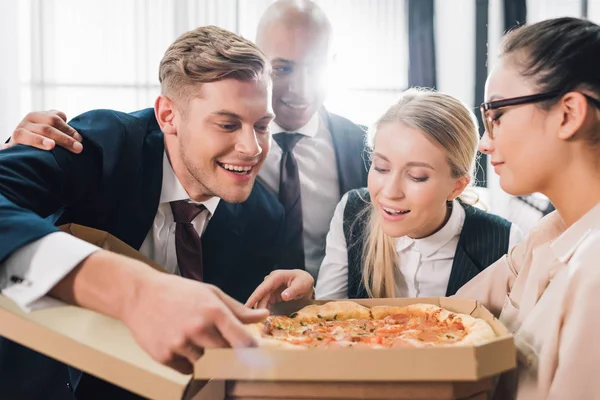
point(559, 54)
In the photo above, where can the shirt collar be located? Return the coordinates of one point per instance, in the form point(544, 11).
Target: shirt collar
point(565, 245)
point(310, 129)
point(172, 190)
point(427, 246)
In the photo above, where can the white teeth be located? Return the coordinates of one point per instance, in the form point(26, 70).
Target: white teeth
point(295, 105)
point(236, 168)
point(394, 212)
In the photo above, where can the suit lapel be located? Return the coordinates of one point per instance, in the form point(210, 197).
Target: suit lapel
point(463, 269)
point(224, 220)
point(347, 146)
point(133, 227)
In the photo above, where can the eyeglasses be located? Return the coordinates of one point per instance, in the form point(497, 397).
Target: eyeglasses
point(517, 101)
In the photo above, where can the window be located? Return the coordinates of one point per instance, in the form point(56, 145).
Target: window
point(538, 10)
point(76, 56)
point(594, 10)
point(371, 68)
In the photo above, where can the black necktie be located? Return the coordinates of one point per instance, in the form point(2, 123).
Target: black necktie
point(187, 241)
point(289, 196)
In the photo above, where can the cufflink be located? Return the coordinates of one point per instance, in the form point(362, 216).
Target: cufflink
point(17, 279)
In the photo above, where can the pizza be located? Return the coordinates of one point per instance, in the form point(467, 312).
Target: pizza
point(342, 324)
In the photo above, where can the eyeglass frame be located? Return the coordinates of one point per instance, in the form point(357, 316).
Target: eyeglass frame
point(521, 100)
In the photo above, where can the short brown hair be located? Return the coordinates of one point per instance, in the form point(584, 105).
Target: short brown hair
point(209, 54)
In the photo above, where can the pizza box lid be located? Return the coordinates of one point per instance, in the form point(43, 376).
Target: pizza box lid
point(97, 344)
point(460, 363)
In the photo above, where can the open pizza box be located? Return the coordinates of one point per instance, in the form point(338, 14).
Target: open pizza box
point(105, 348)
point(100, 345)
point(407, 373)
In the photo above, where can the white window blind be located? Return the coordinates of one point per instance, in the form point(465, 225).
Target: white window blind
point(80, 55)
point(538, 10)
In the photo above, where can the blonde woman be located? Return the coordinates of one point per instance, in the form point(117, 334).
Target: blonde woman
point(412, 233)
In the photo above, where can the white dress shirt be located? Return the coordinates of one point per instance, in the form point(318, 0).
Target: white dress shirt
point(159, 244)
point(319, 185)
point(424, 264)
point(43, 263)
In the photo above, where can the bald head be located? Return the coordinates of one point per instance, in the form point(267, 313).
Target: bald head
point(293, 14)
point(296, 36)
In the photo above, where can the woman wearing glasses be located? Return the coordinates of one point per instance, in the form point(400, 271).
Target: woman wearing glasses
point(412, 233)
point(543, 135)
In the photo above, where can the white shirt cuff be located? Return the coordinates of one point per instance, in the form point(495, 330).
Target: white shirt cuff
point(32, 271)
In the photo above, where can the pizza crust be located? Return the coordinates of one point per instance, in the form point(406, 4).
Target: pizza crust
point(478, 331)
point(334, 310)
point(380, 312)
point(256, 330)
point(279, 344)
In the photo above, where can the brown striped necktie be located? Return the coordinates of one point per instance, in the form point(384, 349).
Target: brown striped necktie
point(188, 245)
point(289, 196)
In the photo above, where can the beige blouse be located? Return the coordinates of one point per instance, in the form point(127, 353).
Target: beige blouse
point(547, 292)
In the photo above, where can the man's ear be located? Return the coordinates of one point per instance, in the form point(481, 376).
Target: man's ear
point(166, 113)
point(459, 187)
point(574, 112)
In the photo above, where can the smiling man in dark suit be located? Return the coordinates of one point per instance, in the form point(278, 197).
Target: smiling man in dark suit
point(317, 155)
point(154, 179)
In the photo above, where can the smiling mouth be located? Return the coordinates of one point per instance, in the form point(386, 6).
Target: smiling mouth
point(236, 169)
point(295, 106)
point(394, 211)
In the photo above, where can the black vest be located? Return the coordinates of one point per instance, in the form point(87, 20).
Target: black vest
point(483, 240)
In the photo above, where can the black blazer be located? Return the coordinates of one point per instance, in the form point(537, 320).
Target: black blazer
point(483, 240)
point(114, 185)
point(352, 158)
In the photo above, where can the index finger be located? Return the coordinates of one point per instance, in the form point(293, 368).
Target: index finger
point(233, 330)
point(263, 290)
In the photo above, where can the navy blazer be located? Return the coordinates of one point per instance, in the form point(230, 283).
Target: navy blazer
point(352, 158)
point(114, 185)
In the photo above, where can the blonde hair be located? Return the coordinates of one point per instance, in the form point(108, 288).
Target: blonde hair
point(209, 54)
point(447, 122)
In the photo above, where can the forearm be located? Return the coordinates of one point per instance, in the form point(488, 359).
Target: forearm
point(104, 282)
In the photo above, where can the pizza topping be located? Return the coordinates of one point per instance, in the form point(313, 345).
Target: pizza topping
point(395, 327)
point(400, 318)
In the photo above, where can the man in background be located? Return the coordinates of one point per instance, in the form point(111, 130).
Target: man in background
point(318, 156)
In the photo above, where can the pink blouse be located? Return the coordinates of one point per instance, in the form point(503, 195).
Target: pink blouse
point(547, 292)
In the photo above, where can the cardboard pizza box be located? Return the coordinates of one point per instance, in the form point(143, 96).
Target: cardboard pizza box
point(466, 372)
point(97, 344)
point(104, 347)
point(108, 242)
point(458, 363)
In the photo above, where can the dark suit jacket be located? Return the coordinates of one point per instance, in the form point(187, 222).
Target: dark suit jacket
point(114, 185)
point(352, 158)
